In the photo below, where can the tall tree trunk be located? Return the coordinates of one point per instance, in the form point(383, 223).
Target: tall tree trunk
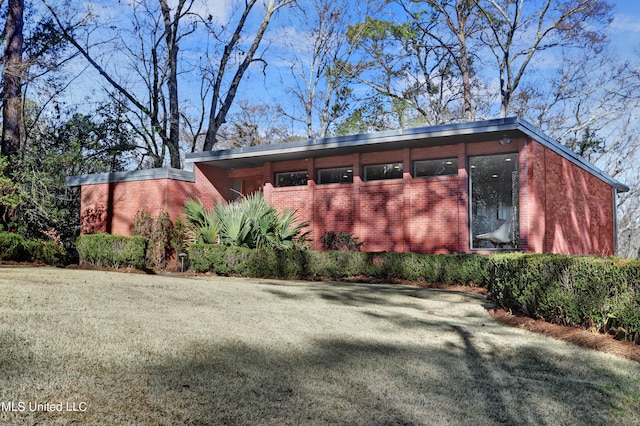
point(12, 79)
point(171, 34)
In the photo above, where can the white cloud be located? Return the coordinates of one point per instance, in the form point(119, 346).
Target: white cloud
point(624, 24)
point(218, 10)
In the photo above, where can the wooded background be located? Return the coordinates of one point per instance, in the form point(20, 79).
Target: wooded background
point(110, 86)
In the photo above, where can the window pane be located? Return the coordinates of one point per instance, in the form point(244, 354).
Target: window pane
point(429, 168)
point(236, 189)
point(292, 178)
point(337, 175)
point(383, 171)
point(494, 201)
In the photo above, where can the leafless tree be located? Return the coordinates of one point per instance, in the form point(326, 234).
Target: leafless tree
point(515, 31)
point(158, 28)
point(320, 71)
point(235, 60)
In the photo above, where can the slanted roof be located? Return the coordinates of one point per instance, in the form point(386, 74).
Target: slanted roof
point(475, 131)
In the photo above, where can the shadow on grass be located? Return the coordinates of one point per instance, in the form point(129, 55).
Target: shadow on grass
point(357, 382)
point(367, 295)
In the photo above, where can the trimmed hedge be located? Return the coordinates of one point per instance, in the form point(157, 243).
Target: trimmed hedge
point(454, 269)
point(14, 247)
point(601, 294)
point(112, 250)
point(246, 262)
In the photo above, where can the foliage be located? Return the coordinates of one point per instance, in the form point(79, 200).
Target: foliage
point(80, 145)
point(112, 250)
point(340, 241)
point(451, 269)
point(250, 222)
point(203, 226)
point(247, 262)
point(15, 247)
point(159, 231)
point(11, 196)
point(595, 293)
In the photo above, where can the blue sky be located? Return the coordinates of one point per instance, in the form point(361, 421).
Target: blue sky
point(624, 31)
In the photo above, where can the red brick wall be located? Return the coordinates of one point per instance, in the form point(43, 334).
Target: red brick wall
point(111, 207)
point(563, 209)
point(579, 210)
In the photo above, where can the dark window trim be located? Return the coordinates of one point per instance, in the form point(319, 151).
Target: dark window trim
point(415, 176)
point(365, 178)
point(277, 174)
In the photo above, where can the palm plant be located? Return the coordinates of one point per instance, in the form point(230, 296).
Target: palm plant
point(203, 226)
point(234, 228)
point(250, 222)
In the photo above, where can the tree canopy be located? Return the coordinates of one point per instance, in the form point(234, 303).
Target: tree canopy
point(127, 85)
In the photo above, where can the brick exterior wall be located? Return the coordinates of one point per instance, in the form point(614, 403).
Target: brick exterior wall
point(111, 207)
point(563, 208)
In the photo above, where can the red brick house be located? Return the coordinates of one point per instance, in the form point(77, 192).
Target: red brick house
point(459, 188)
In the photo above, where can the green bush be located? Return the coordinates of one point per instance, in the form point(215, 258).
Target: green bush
point(48, 252)
point(16, 248)
point(249, 222)
point(588, 292)
point(13, 247)
point(112, 250)
point(456, 269)
point(243, 261)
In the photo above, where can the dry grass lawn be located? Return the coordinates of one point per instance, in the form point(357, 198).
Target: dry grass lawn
point(141, 349)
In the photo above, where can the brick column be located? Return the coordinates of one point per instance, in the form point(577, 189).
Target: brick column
point(357, 195)
point(463, 200)
point(406, 200)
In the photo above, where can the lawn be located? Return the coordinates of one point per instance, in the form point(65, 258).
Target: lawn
point(142, 349)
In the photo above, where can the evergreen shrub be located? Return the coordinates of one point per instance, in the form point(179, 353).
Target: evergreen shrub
point(112, 250)
point(601, 294)
point(14, 247)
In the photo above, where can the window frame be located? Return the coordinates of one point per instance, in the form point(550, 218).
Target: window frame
point(453, 160)
point(347, 169)
point(498, 212)
point(393, 165)
point(276, 182)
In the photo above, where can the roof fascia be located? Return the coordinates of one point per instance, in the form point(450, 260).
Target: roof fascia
point(131, 176)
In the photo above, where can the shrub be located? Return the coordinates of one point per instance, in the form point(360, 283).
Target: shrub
point(247, 262)
point(112, 250)
point(13, 247)
point(250, 222)
point(462, 269)
point(47, 251)
point(202, 225)
point(340, 241)
point(16, 248)
point(159, 232)
point(588, 292)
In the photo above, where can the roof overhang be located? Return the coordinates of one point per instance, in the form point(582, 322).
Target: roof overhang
point(476, 131)
point(132, 176)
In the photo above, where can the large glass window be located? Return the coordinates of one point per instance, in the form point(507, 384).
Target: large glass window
point(430, 168)
point(494, 201)
point(292, 178)
point(336, 175)
point(383, 171)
